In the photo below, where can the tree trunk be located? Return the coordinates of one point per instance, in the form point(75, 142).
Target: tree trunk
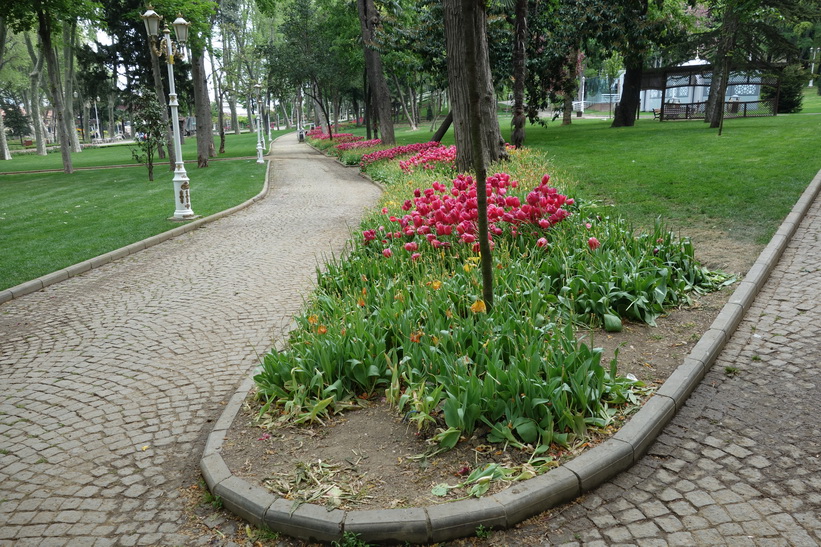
point(517, 137)
point(69, 41)
point(160, 91)
point(86, 121)
point(35, 76)
point(112, 123)
point(721, 65)
point(628, 106)
point(5, 153)
point(44, 29)
point(465, 23)
point(284, 115)
point(217, 96)
point(408, 114)
point(380, 96)
point(567, 109)
point(202, 110)
point(446, 123)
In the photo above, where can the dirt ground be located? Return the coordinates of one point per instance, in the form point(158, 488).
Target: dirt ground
point(370, 458)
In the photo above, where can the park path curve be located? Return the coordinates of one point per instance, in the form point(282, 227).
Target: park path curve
point(110, 381)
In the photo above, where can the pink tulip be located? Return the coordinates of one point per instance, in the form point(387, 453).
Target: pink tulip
point(593, 243)
point(387, 253)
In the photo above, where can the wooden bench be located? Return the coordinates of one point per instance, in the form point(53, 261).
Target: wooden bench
point(656, 114)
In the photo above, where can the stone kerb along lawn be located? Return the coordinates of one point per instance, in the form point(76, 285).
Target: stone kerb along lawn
point(401, 317)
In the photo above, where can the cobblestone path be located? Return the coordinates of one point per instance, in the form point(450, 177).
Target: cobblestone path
point(741, 462)
point(109, 382)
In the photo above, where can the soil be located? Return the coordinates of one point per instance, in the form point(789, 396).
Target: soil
point(370, 458)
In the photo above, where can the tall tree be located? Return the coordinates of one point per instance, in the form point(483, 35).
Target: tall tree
point(35, 76)
point(478, 138)
point(69, 46)
point(466, 39)
point(748, 35)
point(517, 137)
point(5, 153)
point(380, 96)
point(46, 15)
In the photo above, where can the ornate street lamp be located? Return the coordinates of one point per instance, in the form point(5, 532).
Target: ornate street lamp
point(260, 145)
point(182, 189)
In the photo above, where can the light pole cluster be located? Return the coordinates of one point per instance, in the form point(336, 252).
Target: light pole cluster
point(182, 189)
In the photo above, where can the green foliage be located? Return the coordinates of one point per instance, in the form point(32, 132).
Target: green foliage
point(15, 121)
point(349, 539)
point(149, 128)
point(791, 93)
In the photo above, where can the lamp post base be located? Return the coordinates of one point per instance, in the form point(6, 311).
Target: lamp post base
point(182, 192)
point(259, 153)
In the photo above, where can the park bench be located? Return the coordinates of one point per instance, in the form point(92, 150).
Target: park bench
point(656, 114)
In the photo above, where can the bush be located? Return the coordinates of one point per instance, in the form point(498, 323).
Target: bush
point(791, 93)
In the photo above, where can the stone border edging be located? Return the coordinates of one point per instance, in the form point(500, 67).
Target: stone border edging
point(72, 271)
point(447, 521)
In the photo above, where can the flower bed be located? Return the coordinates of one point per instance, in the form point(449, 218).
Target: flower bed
point(432, 158)
point(402, 315)
point(391, 153)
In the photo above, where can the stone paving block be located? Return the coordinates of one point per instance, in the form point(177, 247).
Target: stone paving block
point(389, 525)
point(461, 518)
point(601, 463)
point(307, 521)
point(525, 499)
point(246, 500)
point(644, 426)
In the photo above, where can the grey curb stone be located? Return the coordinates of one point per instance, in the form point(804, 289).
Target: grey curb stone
point(709, 346)
point(744, 295)
point(601, 462)
point(531, 497)
point(308, 521)
point(214, 470)
point(389, 526)
point(71, 271)
point(645, 426)
point(54, 277)
point(728, 318)
point(452, 520)
point(214, 442)
point(683, 381)
point(245, 500)
point(461, 518)
point(26, 288)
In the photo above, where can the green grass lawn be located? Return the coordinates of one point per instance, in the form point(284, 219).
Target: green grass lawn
point(812, 100)
point(49, 221)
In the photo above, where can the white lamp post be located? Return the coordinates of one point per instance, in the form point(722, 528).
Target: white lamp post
point(260, 146)
point(182, 189)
